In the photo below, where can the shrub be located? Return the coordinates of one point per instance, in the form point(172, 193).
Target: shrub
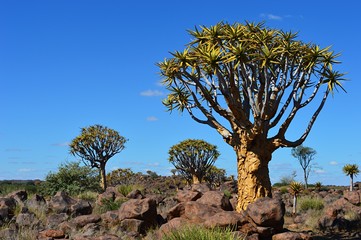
point(306, 203)
point(108, 204)
point(88, 196)
point(200, 233)
point(7, 187)
point(71, 178)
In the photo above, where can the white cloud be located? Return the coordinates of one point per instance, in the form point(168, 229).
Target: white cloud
point(333, 163)
point(25, 170)
point(63, 144)
point(320, 171)
point(151, 93)
point(271, 16)
point(152, 119)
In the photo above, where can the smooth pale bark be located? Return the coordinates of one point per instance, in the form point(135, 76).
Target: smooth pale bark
point(195, 179)
point(253, 174)
point(294, 209)
point(103, 180)
point(351, 183)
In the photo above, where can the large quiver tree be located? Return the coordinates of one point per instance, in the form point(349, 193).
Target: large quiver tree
point(243, 80)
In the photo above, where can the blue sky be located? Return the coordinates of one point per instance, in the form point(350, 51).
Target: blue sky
point(70, 64)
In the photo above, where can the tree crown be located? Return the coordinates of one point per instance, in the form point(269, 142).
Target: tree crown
point(97, 144)
point(242, 73)
point(351, 169)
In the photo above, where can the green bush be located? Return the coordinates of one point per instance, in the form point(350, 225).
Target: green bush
point(108, 204)
point(71, 178)
point(306, 203)
point(7, 187)
point(200, 233)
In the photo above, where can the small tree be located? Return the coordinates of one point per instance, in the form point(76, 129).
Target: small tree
point(215, 176)
point(193, 158)
point(351, 170)
point(95, 146)
point(295, 189)
point(305, 156)
point(120, 176)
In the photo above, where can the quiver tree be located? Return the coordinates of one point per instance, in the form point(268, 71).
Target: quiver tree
point(244, 80)
point(95, 146)
point(295, 189)
point(305, 156)
point(193, 158)
point(351, 170)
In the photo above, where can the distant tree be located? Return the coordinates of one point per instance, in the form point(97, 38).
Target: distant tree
point(152, 174)
point(351, 170)
point(295, 189)
point(173, 171)
point(318, 186)
point(286, 180)
point(193, 158)
point(120, 176)
point(71, 178)
point(305, 156)
point(215, 176)
point(248, 82)
point(95, 146)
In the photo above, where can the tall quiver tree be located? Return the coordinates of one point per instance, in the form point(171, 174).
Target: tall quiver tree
point(95, 146)
point(351, 170)
point(243, 80)
point(305, 156)
point(193, 158)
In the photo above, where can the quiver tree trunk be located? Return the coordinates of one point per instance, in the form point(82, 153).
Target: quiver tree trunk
point(253, 174)
point(195, 179)
point(103, 180)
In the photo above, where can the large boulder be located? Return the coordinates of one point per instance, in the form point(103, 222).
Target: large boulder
point(291, 236)
point(141, 209)
point(81, 207)
point(353, 197)
point(187, 195)
point(61, 203)
point(267, 212)
point(216, 199)
point(226, 219)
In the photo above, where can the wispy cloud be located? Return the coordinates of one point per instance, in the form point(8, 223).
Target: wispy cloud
point(63, 144)
point(320, 171)
point(151, 93)
point(17, 150)
point(152, 119)
point(25, 170)
point(270, 16)
point(333, 163)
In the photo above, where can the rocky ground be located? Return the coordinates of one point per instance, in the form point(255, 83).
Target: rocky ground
point(151, 214)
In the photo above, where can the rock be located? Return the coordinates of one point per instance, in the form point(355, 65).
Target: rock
point(200, 187)
point(226, 219)
point(141, 209)
point(53, 220)
point(81, 208)
point(51, 233)
point(198, 212)
point(61, 203)
point(81, 221)
point(20, 196)
point(267, 212)
point(135, 194)
point(216, 199)
point(291, 236)
point(172, 225)
point(133, 225)
point(110, 218)
point(35, 202)
point(26, 219)
point(176, 211)
point(187, 195)
point(353, 197)
point(7, 208)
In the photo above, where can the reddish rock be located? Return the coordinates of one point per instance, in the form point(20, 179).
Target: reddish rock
point(133, 225)
point(61, 203)
point(201, 187)
point(226, 219)
point(53, 220)
point(20, 196)
point(51, 233)
point(198, 212)
point(187, 195)
point(111, 218)
point(353, 197)
point(81, 221)
point(81, 208)
point(291, 236)
point(216, 199)
point(135, 194)
point(267, 212)
point(142, 209)
point(172, 225)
